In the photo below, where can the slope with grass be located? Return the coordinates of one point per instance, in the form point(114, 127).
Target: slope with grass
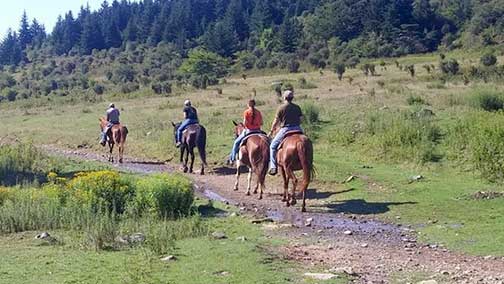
point(384, 129)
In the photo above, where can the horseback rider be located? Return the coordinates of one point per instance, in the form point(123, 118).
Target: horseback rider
point(190, 117)
point(252, 121)
point(288, 118)
point(112, 119)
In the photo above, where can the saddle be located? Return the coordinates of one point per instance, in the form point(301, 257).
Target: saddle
point(253, 133)
point(289, 134)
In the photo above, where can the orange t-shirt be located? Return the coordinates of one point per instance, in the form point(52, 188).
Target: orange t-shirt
point(252, 124)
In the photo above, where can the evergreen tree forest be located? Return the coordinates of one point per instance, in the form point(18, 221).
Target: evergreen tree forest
point(144, 39)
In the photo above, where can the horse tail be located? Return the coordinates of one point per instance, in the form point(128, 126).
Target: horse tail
point(201, 142)
point(305, 155)
point(125, 130)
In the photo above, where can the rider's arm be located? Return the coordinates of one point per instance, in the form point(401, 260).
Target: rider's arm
point(273, 126)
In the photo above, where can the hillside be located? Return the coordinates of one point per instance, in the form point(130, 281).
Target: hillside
point(123, 46)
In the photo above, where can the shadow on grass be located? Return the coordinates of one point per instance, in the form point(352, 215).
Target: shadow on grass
point(361, 207)
point(209, 211)
point(15, 178)
point(313, 193)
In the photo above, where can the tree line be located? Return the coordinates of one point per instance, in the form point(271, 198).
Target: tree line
point(362, 28)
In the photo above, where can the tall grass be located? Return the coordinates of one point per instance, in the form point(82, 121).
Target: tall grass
point(478, 139)
point(402, 136)
point(22, 162)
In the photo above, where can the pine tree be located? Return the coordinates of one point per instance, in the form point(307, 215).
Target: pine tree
point(261, 17)
point(25, 35)
point(235, 16)
point(289, 35)
point(221, 39)
point(10, 50)
point(91, 37)
point(38, 32)
point(130, 32)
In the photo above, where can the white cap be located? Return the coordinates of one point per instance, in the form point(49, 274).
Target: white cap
point(187, 103)
point(288, 94)
point(111, 105)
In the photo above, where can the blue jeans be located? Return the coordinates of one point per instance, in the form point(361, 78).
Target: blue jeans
point(103, 135)
point(276, 142)
point(183, 126)
point(236, 145)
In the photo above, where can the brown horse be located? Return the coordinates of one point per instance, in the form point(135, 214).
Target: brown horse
point(194, 136)
point(116, 135)
point(295, 154)
point(254, 154)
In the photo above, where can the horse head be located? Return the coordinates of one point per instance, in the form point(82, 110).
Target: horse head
point(238, 128)
point(175, 127)
point(103, 123)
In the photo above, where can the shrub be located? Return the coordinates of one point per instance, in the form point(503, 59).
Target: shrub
point(166, 196)
point(402, 136)
point(488, 59)
point(98, 89)
point(476, 139)
point(304, 84)
point(23, 162)
point(340, 69)
point(129, 87)
point(450, 67)
point(293, 66)
point(10, 94)
point(102, 190)
point(310, 113)
point(488, 100)
point(415, 100)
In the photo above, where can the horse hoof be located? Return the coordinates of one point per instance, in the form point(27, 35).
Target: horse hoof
point(255, 191)
point(248, 194)
point(235, 189)
point(185, 170)
point(303, 209)
point(293, 202)
point(260, 197)
point(288, 204)
point(284, 199)
point(121, 161)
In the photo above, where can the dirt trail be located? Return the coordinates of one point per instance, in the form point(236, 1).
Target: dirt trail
point(370, 251)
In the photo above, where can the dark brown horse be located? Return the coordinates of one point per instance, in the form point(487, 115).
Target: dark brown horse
point(116, 135)
point(194, 136)
point(254, 154)
point(295, 154)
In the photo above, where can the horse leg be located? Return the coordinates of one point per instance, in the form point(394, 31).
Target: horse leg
point(186, 160)
point(191, 153)
point(249, 181)
point(294, 185)
point(285, 185)
point(238, 164)
point(111, 149)
point(119, 153)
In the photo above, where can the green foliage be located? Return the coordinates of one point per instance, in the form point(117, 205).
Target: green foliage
point(163, 195)
point(488, 100)
point(304, 84)
point(340, 69)
point(293, 66)
point(402, 136)
point(98, 89)
point(449, 67)
point(204, 63)
point(488, 59)
point(23, 162)
point(415, 100)
point(477, 139)
point(103, 191)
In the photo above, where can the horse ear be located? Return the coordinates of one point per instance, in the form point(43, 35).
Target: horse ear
point(235, 123)
point(173, 124)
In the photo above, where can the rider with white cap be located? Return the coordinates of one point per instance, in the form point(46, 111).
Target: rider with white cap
point(288, 118)
point(113, 119)
point(190, 117)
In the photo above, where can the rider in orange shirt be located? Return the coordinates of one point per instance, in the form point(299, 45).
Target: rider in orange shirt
point(252, 120)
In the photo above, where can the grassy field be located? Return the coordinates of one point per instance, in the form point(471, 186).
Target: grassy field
point(362, 131)
point(199, 260)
